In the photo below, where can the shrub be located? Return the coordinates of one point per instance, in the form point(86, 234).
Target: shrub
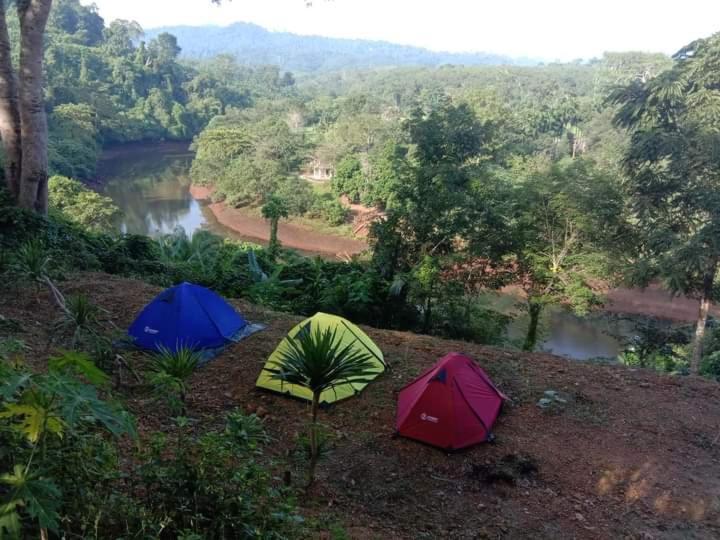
point(59, 471)
point(468, 319)
point(710, 366)
point(211, 486)
point(81, 205)
point(330, 209)
point(349, 179)
point(657, 346)
point(55, 475)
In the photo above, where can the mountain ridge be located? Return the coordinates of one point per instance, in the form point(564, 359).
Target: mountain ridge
point(253, 44)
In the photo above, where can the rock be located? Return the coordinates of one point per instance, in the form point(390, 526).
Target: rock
point(579, 516)
point(544, 403)
point(552, 394)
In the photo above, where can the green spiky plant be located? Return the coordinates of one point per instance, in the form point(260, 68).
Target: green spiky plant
point(317, 360)
point(80, 316)
point(170, 372)
point(33, 264)
point(201, 248)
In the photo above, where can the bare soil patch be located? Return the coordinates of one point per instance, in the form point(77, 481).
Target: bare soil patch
point(290, 235)
point(635, 454)
point(655, 301)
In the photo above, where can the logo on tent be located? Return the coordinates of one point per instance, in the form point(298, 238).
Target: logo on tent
point(149, 330)
point(428, 418)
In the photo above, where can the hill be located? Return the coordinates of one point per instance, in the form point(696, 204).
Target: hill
point(630, 455)
point(252, 44)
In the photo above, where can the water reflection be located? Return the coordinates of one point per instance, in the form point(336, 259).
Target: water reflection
point(561, 332)
point(150, 185)
point(582, 338)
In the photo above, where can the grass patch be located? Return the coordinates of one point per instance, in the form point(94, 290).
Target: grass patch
point(321, 226)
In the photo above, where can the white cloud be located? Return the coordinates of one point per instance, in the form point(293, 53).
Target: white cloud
point(562, 29)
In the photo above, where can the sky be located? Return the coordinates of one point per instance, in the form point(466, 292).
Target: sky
point(547, 29)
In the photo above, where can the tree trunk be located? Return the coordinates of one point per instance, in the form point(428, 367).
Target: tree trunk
point(34, 173)
point(274, 244)
point(703, 310)
point(314, 450)
point(427, 316)
point(9, 110)
point(534, 309)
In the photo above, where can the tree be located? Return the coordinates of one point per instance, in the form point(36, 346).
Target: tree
point(23, 124)
point(673, 177)
point(432, 191)
point(318, 361)
point(9, 110)
point(349, 179)
point(120, 37)
point(439, 205)
point(81, 205)
point(274, 209)
point(163, 49)
point(563, 217)
point(73, 149)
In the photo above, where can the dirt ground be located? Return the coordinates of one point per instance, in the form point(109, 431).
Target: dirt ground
point(633, 454)
point(656, 302)
point(290, 235)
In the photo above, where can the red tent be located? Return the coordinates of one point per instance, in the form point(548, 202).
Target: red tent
point(453, 405)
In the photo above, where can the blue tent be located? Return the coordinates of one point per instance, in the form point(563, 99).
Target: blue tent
point(191, 316)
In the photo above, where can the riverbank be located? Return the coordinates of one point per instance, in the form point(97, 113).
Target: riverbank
point(290, 235)
point(655, 301)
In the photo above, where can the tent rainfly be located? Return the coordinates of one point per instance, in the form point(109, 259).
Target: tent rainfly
point(348, 333)
point(188, 315)
point(453, 405)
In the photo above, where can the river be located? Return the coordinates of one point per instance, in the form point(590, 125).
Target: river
point(151, 185)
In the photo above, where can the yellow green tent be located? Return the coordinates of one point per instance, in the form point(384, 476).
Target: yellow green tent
point(348, 333)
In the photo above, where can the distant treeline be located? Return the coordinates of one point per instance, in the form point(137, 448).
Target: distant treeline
point(253, 44)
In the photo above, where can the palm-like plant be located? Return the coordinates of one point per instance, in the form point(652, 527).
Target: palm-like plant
point(171, 370)
point(80, 316)
point(32, 261)
point(201, 248)
point(318, 360)
point(33, 264)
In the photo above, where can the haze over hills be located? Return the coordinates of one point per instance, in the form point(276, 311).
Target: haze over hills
point(253, 44)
